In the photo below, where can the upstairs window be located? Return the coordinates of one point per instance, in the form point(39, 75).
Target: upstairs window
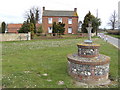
point(69, 20)
point(50, 20)
point(60, 20)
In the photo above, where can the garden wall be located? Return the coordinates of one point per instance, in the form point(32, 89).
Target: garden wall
point(15, 37)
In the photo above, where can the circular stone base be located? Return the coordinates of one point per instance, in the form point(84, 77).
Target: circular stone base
point(89, 70)
point(98, 60)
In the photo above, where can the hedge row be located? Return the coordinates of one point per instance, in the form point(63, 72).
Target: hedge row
point(114, 32)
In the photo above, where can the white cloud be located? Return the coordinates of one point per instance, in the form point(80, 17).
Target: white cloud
point(17, 8)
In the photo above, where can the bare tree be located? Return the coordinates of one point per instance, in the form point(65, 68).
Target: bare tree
point(113, 20)
point(33, 16)
point(33, 12)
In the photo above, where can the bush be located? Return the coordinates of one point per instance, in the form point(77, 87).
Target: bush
point(114, 32)
point(40, 30)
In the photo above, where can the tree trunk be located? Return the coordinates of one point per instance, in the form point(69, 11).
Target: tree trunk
point(96, 30)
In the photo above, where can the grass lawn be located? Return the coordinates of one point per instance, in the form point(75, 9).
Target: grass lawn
point(43, 63)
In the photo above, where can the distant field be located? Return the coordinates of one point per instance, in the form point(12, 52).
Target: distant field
point(43, 63)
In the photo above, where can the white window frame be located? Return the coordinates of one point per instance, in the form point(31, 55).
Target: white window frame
point(60, 20)
point(49, 20)
point(70, 30)
point(49, 29)
point(69, 20)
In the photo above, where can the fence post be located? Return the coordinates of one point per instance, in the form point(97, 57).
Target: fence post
point(20, 37)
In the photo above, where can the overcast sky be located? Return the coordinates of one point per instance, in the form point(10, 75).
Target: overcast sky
point(13, 11)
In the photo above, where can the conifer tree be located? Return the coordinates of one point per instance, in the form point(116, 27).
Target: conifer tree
point(94, 20)
point(25, 28)
point(3, 26)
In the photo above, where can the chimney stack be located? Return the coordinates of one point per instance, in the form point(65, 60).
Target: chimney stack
point(75, 9)
point(43, 8)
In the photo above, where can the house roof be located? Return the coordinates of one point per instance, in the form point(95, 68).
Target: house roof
point(19, 25)
point(13, 28)
point(14, 25)
point(60, 13)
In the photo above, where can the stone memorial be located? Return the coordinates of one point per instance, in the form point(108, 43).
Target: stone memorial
point(88, 66)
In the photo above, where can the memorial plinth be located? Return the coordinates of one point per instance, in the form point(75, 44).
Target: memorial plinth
point(87, 65)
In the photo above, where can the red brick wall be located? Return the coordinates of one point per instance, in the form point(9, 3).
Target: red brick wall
point(74, 24)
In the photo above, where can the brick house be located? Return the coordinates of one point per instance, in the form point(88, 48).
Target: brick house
point(13, 28)
point(70, 18)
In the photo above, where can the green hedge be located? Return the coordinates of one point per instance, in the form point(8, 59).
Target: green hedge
point(114, 32)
